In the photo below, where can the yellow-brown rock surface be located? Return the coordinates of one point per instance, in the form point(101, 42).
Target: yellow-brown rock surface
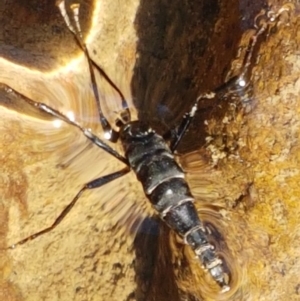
point(161, 55)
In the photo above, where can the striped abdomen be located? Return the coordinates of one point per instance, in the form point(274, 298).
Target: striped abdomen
point(164, 184)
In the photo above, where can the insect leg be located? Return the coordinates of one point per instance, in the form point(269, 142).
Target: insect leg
point(45, 108)
point(177, 133)
point(236, 83)
point(110, 133)
point(180, 130)
point(90, 185)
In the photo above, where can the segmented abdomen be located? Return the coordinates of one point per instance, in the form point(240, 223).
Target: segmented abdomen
point(164, 184)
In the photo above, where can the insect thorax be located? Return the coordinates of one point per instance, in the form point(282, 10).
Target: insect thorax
point(151, 159)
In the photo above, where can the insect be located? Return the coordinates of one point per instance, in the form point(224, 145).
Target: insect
point(152, 159)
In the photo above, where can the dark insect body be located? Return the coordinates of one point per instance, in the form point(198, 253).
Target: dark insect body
point(164, 184)
point(152, 159)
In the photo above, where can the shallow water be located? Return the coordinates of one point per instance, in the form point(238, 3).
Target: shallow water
point(241, 154)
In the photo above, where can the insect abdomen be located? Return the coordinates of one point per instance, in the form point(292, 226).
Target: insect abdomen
point(165, 185)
